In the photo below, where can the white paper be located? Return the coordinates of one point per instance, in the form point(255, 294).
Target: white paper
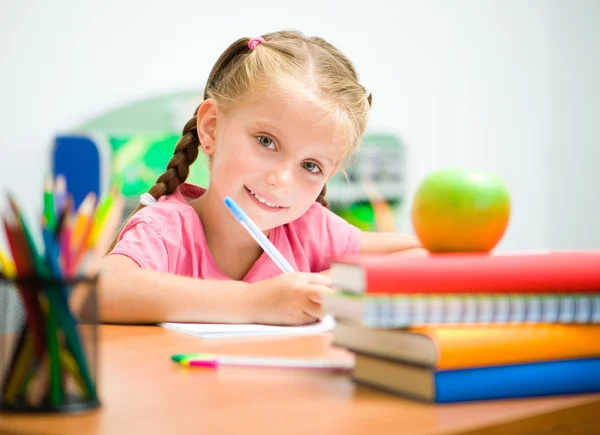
point(226, 330)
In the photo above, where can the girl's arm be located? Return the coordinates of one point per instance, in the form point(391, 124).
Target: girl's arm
point(129, 294)
point(391, 243)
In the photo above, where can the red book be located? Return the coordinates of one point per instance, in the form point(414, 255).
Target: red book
point(558, 272)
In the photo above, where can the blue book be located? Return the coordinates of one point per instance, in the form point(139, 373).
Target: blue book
point(548, 378)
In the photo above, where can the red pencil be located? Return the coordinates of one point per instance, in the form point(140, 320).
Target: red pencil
point(24, 266)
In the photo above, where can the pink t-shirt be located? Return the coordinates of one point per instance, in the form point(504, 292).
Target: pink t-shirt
point(168, 237)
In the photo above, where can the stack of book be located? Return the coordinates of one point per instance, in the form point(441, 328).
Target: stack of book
point(463, 327)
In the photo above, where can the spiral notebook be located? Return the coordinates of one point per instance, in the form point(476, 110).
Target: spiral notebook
point(421, 310)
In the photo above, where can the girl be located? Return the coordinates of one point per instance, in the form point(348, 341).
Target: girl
point(280, 114)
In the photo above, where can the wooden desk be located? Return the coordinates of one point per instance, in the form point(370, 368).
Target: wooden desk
point(143, 392)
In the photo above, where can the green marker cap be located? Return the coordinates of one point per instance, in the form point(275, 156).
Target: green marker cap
point(183, 356)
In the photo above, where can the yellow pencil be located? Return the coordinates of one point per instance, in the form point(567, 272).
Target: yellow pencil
point(19, 374)
point(99, 246)
point(39, 384)
point(69, 366)
point(8, 266)
point(82, 224)
point(111, 224)
point(101, 213)
point(83, 221)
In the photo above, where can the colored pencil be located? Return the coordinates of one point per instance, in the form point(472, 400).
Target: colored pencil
point(82, 231)
point(54, 314)
point(83, 221)
point(60, 194)
point(8, 266)
point(49, 210)
point(101, 214)
point(49, 359)
point(24, 266)
point(18, 372)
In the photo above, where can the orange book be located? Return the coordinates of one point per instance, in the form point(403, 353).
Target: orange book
point(458, 347)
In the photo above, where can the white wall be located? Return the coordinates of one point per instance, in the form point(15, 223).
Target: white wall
point(464, 83)
point(573, 155)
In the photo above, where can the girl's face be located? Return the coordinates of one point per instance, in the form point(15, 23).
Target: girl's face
point(273, 157)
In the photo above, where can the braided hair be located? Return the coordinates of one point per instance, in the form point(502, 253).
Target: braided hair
point(244, 69)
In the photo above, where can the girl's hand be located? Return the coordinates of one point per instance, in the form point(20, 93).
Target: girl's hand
point(289, 299)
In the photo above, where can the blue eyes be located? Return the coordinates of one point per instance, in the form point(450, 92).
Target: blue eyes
point(268, 143)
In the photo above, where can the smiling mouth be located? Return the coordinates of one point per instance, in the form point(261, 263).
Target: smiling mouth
point(264, 201)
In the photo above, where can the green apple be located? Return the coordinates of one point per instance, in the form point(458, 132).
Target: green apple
point(457, 210)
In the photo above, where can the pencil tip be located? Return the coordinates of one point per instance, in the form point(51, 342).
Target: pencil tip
point(88, 203)
point(12, 202)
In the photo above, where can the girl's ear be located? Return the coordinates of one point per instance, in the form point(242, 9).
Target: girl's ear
point(206, 125)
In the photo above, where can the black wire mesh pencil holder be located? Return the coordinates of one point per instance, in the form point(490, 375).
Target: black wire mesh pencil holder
point(48, 345)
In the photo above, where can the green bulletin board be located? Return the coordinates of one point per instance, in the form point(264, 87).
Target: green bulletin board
point(142, 136)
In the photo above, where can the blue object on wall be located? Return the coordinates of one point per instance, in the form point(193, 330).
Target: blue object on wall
point(78, 158)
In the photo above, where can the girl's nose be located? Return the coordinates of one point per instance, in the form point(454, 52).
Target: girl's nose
point(281, 176)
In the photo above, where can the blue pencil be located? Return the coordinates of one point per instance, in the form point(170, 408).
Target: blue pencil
point(258, 235)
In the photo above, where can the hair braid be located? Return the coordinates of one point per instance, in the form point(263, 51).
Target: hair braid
point(178, 168)
point(240, 71)
point(321, 198)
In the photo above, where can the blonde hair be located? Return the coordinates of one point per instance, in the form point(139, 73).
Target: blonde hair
point(327, 76)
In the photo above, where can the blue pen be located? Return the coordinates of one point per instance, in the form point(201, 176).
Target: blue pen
point(258, 235)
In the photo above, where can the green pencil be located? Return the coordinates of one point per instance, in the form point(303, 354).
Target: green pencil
point(49, 209)
point(41, 270)
point(56, 392)
point(100, 217)
point(58, 316)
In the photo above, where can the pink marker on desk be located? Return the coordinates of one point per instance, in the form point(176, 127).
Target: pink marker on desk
point(214, 361)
